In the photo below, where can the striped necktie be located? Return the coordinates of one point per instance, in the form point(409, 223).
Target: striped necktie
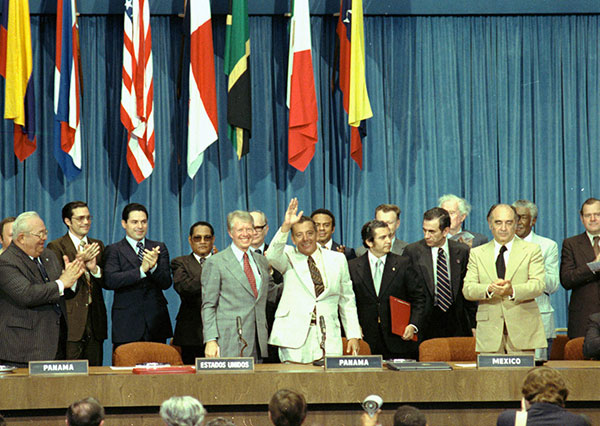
point(444, 293)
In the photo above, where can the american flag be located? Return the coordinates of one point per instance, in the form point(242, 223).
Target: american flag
point(137, 93)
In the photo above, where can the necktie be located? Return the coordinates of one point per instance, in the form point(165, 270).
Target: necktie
point(444, 293)
point(140, 251)
point(500, 265)
point(377, 276)
point(202, 260)
point(42, 269)
point(315, 274)
point(250, 275)
point(596, 245)
point(258, 251)
point(86, 274)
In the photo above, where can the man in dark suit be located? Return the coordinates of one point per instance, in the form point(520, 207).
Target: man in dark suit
point(235, 284)
point(86, 319)
point(377, 275)
point(459, 209)
point(187, 271)
point(390, 214)
point(6, 232)
point(580, 269)
point(137, 269)
point(325, 222)
point(441, 266)
point(32, 311)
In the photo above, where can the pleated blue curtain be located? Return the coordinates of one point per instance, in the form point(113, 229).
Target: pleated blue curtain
point(490, 108)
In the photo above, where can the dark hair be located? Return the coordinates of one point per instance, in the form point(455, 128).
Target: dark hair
point(388, 208)
point(202, 223)
point(438, 213)
point(287, 408)
point(587, 202)
point(491, 210)
point(86, 412)
point(368, 230)
point(67, 210)
point(133, 207)
point(302, 220)
point(407, 415)
point(220, 421)
point(545, 384)
point(324, 211)
point(6, 220)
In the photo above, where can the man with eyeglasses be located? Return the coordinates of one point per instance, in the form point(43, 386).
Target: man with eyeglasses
point(390, 214)
point(187, 272)
point(86, 322)
point(6, 232)
point(32, 285)
point(580, 269)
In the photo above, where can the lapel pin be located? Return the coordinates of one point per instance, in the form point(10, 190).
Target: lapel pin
point(393, 268)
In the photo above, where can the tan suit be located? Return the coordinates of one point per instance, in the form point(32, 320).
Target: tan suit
point(520, 315)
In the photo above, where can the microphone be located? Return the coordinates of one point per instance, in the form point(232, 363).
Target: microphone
point(321, 362)
point(322, 324)
point(238, 321)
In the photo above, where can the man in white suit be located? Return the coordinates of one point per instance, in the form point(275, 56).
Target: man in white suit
point(528, 213)
point(316, 286)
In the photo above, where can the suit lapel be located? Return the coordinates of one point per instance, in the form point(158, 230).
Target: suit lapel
point(455, 268)
point(390, 270)
point(233, 265)
point(585, 246)
point(363, 270)
point(262, 272)
point(300, 265)
point(194, 265)
point(515, 258)
point(68, 247)
point(425, 263)
point(129, 253)
point(488, 260)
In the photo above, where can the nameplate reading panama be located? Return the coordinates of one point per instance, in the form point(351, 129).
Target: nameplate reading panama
point(504, 361)
point(58, 367)
point(368, 362)
point(224, 364)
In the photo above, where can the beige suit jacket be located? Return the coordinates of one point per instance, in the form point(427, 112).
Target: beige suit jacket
point(519, 314)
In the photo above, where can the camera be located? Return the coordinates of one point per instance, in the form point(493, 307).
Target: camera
point(371, 404)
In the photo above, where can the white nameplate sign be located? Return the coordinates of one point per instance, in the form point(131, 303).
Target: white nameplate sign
point(505, 361)
point(359, 362)
point(204, 365)
point(58, 367)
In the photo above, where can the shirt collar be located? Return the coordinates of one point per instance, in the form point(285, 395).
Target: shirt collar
point(261, 248)
point(373, 259)
point(237, 252)
point(200, 257)
point(133, 243)
point(529, 237)
point(327, 245)
point(76, 240)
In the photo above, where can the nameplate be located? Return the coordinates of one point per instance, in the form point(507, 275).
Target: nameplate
point(204, 365)
point(360, 362)
point(58, 367)
point(505, 361)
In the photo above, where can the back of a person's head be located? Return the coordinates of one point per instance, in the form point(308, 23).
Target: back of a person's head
point(407, 415)
point(182, 411)
point(220, 421)
point(287, 408)
point(544, 384)
point(2, 421)
point(86, 412)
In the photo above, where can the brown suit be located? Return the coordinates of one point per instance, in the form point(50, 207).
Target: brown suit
point(79, 316)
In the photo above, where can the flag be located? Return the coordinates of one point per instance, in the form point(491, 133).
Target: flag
point(137, 93)
point(15, 48)
point(67, 91)
point(237, 68)
point(202, 120)
point(301, 94)
point(353, 84)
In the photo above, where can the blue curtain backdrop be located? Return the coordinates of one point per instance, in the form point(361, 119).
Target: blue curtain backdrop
point(490, 108)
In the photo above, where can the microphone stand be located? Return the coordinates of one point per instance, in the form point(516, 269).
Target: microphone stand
point(240, 336)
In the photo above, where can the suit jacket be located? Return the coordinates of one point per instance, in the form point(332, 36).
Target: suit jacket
point(293, 316)
point(29, 321)
point(422, 260)
point(226, 294)
point(521, 315)
point(348, 251)
point(398, 280)
point(188, 284)
point(397, 248)
point(591, 343)
point(77, 301)
point(575, 275)
point(543, 414)
point(138, 302)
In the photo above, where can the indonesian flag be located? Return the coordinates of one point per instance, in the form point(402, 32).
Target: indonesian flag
point(137, 93)
point(301, 94)
point(202, 121)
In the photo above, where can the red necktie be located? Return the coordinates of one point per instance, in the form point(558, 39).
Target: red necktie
point(250, 275)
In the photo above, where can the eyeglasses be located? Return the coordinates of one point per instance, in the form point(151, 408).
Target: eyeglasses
point(41, 235)
point(82, 218)
point(199, 238)
point(260, 227)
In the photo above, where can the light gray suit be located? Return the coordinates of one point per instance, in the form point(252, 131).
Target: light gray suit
point(397, 248)
point(226, 294)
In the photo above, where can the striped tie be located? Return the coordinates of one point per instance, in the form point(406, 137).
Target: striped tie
point(315, 274)
point(444, 294)
point(140, 253)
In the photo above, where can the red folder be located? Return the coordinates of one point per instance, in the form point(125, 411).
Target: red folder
point(400, 312)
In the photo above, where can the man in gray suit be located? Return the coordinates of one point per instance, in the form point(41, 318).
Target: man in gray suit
point(390, 214)
point(459, 209)
point(32, 310)
point(235, 284)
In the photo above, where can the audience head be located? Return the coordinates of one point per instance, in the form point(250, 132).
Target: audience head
point(6, 231)
point(240, 227)
point(390, 214)
point(202, 238)
point(407, 415)
point(458, 208)
point(544, 384)
point(590, 215)
point(182, 411)
point(30, 233)
point(436, 225)
point(220, 421)
point(325, 224)
point(261, 228)
point(2, 421)
point(376, 237)
point(304, 235)
point(76, 216)
point(287, 408)
point(134, 220)
point(528, 213)
point(502, 220)
point(86, 412)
